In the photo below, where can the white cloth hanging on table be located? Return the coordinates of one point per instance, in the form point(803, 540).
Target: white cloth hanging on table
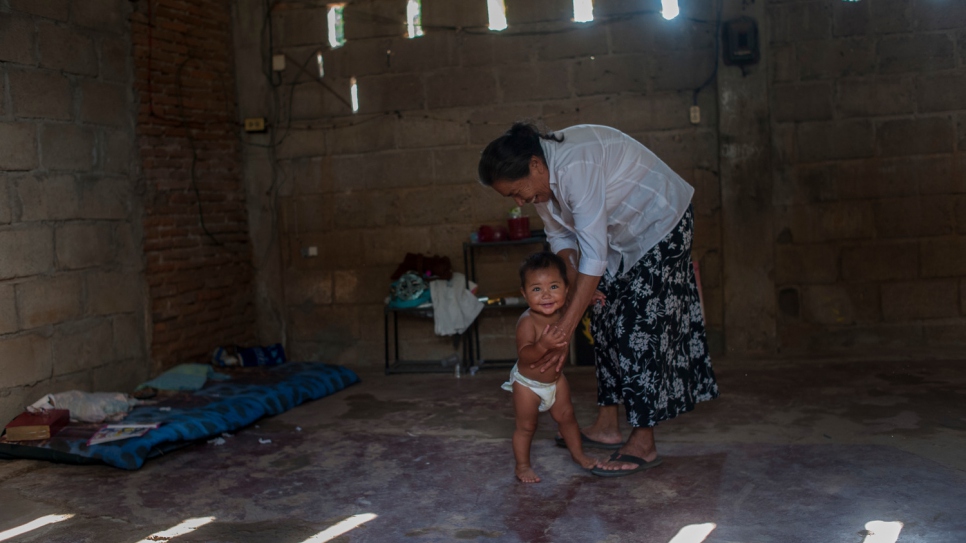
point(454, 306)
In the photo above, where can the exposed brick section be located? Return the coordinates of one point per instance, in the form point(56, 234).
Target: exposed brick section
point(200, 283)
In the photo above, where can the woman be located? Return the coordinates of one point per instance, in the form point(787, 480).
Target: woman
point(622, 221)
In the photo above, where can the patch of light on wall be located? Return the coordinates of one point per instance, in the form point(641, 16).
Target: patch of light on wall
point(693, 533)
point(354, 93)
point(878, 531)
point(321, 64)
point(414, 19)
point(32, 525)
point(340, 528)
point(583, 11)
point(183, 528)
point(336, 25)
point(497, 13)
point(670, 9)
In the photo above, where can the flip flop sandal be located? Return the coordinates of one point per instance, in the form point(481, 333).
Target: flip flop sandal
point(630, 459)
point(559, 440)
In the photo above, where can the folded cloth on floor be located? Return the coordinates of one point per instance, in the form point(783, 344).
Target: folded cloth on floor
point(454, 306)
point(184, 377)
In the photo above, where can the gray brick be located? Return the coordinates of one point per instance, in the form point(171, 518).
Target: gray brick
point(830, 59)
point(651, 33)
point(386, 170)
point(841, 304)
point(430, 52)
point(428, 206)
point(366, 19)
point(365, 209)
point(489, 122)
point(24, 360)
point(455, 166)
point(67, 147)
point(416, 132)
point(805, 184)
point(47, 197)
point(527, 82)
point(880, 261)
point(877, 97)
point(603, 74)
point(400, 241)
point(892, 16)
point(40, 94)
point(84, 245)
point(121, 374)
point(63, 49)
point(916, 136)
point(106, 198)
point(367, 137)
point(944, 257)
point(8, 310)
point(461, 13)
point(34, 248)
point(819, 141)
point(915, 217)
point(683, 70)
point(110, 292)
point(806, 264)
point(19, 144)
point(946, 176)
point(104, 103)
point(102, 15)
point(117, 152)
point(6, 189)
point(460, 87)
point(309, 176)
point(944, 334)
point(918, 53)
point(870, 179)
point(115, 55)
point(783, 65)
point(311, 100)
point(49, 300)
point(82, 346)
point(803, 21)
point(850, 18)
point(352, 286)
point(17, 40)
point(51, 9)
point(301, 26)
point(311, 287)
point(919, 300)
point(941, 92)
point(302, 143)
point(129, 337)
point(802, 102)
point(580, 42)
point(384, 93)
point(129, 246)
point(826, 222)
point(539, 10)
point(940, 15)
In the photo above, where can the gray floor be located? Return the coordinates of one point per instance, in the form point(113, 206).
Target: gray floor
point(807, 450)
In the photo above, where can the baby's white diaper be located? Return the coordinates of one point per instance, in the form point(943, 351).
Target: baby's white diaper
point(546, 391)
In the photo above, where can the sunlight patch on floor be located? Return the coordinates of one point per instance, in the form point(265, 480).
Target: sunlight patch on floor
point(693, 533)
point(340, 528)
point(33, 525)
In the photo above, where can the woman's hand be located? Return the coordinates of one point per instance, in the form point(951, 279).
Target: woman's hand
point(598, 299)
point(553, 358)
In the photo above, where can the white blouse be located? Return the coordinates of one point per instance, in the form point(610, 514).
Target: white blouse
point(612, 197)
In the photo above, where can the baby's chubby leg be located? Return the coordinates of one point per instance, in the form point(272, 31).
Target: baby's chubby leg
point(563, 412)
point(526, 404)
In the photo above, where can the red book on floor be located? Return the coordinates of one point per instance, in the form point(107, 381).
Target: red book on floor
point(42, 425)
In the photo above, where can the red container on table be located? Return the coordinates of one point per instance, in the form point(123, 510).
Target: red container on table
point(519, 228)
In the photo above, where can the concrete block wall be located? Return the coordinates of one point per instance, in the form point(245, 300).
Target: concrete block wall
point(196, 244)
point(400, 175)
point(72, 289)
point(870, 182)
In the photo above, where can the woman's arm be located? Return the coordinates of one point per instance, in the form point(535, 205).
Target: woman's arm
point(579, 296)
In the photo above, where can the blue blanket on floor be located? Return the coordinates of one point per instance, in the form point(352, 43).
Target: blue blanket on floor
point(221, 406)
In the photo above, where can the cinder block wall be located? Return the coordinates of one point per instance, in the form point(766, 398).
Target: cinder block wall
point(868, 119)
point(72, 291)
point(198, 254)
point(400, 175)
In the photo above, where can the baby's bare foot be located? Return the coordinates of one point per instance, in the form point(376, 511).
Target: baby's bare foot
point(586, 462)
point(527, 475)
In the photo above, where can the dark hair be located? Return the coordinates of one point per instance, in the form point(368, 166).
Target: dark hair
point(542, 261)
point(508, 157)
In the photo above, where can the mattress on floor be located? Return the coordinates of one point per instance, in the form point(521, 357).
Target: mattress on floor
point(186, 417)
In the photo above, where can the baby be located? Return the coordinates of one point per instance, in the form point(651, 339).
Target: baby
point(543, 278)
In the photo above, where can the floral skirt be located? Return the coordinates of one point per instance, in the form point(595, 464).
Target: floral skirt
point(649, 338)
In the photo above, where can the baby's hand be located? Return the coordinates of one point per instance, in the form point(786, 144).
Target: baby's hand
point(598, 299)
point(552, 338)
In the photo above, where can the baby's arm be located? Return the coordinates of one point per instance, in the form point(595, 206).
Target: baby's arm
point(530, 347)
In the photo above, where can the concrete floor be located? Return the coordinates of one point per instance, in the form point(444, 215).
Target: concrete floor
point(807, 450)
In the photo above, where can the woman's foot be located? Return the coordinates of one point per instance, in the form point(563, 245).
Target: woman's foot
point(527, 475)
point(639, 445)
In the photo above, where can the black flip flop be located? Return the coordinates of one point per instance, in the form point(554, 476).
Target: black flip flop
point(559, 440)
point(629, 458)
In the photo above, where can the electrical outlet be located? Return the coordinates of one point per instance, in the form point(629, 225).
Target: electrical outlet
point(255, 124)
point(310, 252)
point(278, 63)
point(695, 115)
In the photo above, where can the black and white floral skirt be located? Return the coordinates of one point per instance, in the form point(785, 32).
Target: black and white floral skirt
point(649, 338)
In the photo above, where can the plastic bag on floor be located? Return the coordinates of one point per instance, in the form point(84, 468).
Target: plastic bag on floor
point(88, 406)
